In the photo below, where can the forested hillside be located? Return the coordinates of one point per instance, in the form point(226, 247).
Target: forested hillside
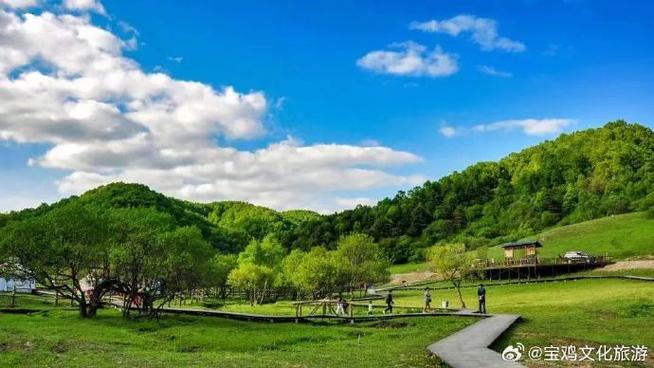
point(576, 177)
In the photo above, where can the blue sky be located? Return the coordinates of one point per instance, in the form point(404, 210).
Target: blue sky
point(438, 85)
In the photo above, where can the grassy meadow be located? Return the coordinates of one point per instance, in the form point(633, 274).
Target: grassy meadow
point(58, 337)
point(594, 312)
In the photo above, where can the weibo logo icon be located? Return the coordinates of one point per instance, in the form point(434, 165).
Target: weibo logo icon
point(513, 353)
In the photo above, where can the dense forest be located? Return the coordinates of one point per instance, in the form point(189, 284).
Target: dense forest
point(576, 177)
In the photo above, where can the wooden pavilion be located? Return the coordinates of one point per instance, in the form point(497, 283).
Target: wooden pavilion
point(528, 250)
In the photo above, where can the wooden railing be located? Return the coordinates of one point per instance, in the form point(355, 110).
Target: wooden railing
point(534, 261)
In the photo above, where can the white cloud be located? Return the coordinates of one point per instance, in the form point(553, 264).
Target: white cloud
point(494, 72)
point(85, 5)
point(18, 4)
point(527, 126)
point(483, 31)
point(410, 59)
point(65, 82)
point(127, 28)
point(176, 59)
point(448, 131)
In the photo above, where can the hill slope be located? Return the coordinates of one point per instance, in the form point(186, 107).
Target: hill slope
point(228, 225)
point(577, 177)
point(620, 236)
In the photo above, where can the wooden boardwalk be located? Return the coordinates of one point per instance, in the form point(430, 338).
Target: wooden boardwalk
point(468, 348)
point(289, 319)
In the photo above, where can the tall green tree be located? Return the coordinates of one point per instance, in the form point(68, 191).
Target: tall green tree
point(64, 250)
point(452, 263)
point(362, 260)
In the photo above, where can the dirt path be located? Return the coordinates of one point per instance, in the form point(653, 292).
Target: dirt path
point(412, 277)
point(628, 265)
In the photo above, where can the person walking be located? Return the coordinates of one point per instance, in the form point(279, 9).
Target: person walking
point(481, 294)
point(427, 297)
point(339, 307)
point(370, 308)
point(389, 303)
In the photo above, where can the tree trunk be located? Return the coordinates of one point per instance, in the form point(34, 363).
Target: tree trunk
point(82, 309)
point(458, 290)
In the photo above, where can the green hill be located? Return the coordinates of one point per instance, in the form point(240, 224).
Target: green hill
point(228, 225)
point(621, 236)
point(577, 177)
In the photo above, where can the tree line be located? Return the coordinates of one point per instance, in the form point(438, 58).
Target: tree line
point(574, 178)
point(82, 252)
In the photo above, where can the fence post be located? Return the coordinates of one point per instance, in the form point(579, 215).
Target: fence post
point(13, 297)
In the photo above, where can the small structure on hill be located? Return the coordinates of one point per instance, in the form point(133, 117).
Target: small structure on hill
point(522, 261)
point(528, 248)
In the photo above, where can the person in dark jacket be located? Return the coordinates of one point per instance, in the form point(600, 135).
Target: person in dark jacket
point(481, 294)
point(389, 303)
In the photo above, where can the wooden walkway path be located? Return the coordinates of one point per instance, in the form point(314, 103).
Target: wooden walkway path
point(289, 318)
point(468, 348)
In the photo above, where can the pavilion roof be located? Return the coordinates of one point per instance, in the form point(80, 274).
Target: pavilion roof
point(522, 244)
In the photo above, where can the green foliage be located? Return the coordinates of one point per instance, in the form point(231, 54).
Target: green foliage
point(253, 278)
point(358, 261)
point(362, 260)
point(153, 257)
point(452, 263)
point(219, 268)
point(318, 273)
point(287, 277)
point(60, 248)
point(267, 252)
point(577, 177)
point(183, 262)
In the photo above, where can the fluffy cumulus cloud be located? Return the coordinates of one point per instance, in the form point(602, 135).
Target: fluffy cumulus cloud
point(482, 31)
point(410, 59)
point(66, 83)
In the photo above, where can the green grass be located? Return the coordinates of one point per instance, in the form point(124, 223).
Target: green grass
point(600, 311)
point(623, 236)
point(593, 312)
point(59, 338)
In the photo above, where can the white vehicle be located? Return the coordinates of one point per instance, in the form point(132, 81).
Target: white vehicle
point(578, 257)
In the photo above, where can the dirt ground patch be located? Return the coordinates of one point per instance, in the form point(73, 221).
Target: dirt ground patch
point(411, 277)
point(628, 265)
